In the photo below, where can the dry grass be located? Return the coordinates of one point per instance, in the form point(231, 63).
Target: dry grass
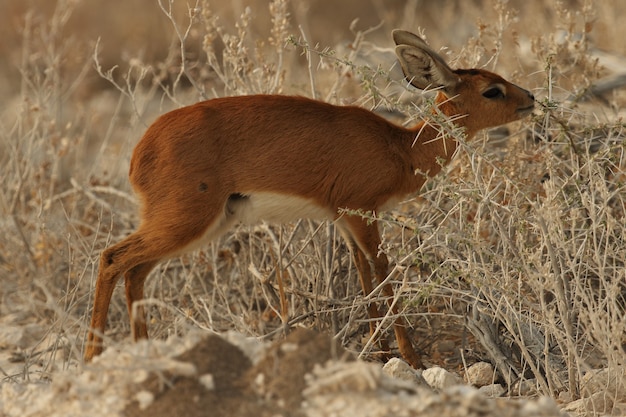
point(521, 242)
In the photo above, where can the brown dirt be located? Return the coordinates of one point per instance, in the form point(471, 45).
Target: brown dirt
point(274, 385)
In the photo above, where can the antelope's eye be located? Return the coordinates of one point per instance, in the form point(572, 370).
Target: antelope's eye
point(493, 92)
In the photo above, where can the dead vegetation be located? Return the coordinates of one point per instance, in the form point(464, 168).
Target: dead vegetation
point(515, 256)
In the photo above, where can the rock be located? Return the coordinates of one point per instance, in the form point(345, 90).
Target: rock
point(343, 377)
point(598, 403)
point(577, 407)
point(602, 391)
point(252, 347)
point(492, 390)
point(524, 387)
point(144, 399)
point(542, 406)
point(439, 379)
point(21, 337)
point(164, 378)
point(397, 368)
point(207, 381)
point(619, 409)
point(609, 380)
point(480, 374)
point(565, 397)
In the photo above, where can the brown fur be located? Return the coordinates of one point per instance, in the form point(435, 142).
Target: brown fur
point(195, 167)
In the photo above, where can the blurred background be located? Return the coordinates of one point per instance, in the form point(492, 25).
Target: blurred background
point(139, 29)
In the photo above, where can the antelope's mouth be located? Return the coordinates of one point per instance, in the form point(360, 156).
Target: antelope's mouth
point(524, 111)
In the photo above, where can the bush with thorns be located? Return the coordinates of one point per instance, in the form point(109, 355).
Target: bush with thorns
point(521, 243)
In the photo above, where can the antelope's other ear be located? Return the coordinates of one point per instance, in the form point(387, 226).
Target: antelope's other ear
point(423, 67)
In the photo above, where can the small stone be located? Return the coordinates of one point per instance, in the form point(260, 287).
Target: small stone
point(492, 390)
point(288, 347)
point(480, 374)
point(144, 398)
point(542, 406)
point(207, 381)
point(565, 397)
point(21, 337)
point(399, 369)
point(612, 381)
point(438, 378)
point(525, 388)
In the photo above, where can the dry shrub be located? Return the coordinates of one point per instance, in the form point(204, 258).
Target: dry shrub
point(522, 243)
point(530, 242)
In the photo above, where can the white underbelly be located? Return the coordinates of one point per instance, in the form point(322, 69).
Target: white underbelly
point(254, 208)
point(278, 208)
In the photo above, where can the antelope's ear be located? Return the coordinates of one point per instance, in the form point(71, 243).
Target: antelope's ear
point(423, 67)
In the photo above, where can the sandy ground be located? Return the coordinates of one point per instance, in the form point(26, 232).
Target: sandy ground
point(229, 375)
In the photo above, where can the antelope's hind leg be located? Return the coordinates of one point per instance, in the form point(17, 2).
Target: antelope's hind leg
point(134, 280)
point(115, 261)
point(135, 256)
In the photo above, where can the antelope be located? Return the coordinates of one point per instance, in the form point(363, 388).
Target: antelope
point(201, 169)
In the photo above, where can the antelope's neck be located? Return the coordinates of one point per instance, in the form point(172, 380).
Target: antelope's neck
point(433, 142)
